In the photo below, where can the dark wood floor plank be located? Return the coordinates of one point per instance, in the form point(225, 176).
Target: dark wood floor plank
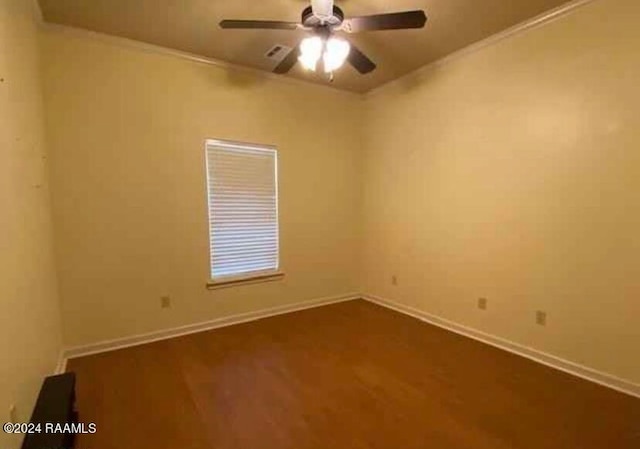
point(352, 375)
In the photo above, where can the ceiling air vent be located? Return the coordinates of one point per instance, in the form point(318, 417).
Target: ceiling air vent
point(277, 52)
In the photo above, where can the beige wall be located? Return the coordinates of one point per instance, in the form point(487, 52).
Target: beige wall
point(509, 173)
point(29, 317)
point(127, 131)
point(513, 173)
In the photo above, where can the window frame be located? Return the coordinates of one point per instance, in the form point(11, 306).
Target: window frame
point(252, 277)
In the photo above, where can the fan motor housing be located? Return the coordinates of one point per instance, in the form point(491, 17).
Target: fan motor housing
point(309, 20)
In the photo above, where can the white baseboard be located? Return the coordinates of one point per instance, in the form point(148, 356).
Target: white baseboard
point(61, 366)
point(552, 361)
point(135, 340)
point(607, 380)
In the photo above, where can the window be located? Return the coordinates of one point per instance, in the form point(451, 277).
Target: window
point(243, 211)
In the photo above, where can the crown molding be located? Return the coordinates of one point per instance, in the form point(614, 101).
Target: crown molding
point(192, 57)
point(37, 12)
point(523, 27)
point(528, 25)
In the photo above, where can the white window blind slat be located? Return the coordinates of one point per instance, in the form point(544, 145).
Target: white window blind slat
point(243, 208)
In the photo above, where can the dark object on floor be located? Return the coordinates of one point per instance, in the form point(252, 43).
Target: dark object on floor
point(55, 405)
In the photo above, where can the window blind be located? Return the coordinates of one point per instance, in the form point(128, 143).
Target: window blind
point(243, 208)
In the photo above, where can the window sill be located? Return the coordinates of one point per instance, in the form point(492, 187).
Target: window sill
point(244, 280)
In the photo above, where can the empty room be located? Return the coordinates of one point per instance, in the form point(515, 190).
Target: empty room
point(312, 224)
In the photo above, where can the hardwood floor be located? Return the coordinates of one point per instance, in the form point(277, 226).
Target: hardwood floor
point(351, 375)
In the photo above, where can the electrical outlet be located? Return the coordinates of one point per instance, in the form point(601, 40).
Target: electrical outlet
point(541, 318)
point(165, 302)
point(13, 414)
point(394, 280)
point(482, 303)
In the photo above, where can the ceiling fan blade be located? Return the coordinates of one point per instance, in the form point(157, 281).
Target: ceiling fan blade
point(322, 9)
point(391, 21)
point(258, 25)
point(360, 61)
point(288, 62)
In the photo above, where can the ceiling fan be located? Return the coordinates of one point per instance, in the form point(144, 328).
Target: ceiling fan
point(323, 19)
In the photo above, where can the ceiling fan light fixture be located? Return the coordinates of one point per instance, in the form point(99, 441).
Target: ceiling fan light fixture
point(310, 52)
point(323, 18)
point(322, 9)
point(336, 53)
